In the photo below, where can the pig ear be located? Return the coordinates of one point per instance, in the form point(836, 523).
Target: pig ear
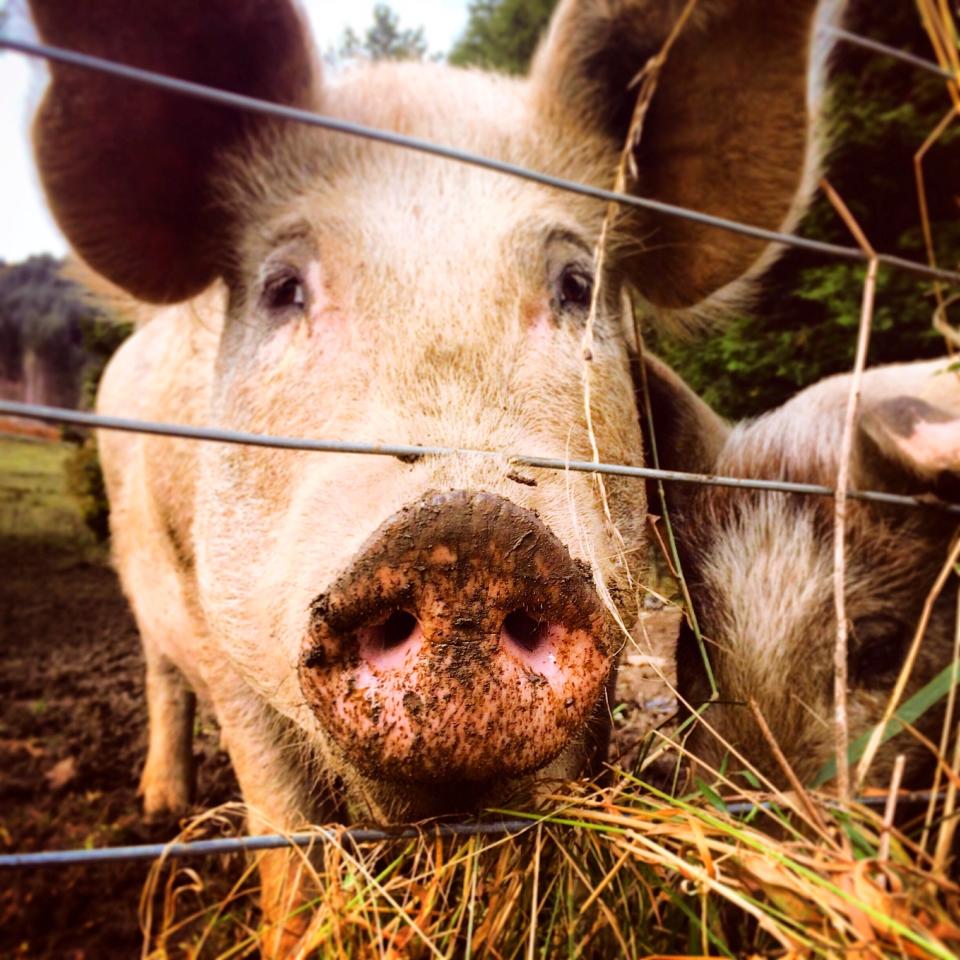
point(727, 131)
point(129, 170)
point(912, 441)
point(688, 434)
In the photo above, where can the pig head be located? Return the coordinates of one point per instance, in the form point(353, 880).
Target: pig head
point(760, 565)
point(389, 639)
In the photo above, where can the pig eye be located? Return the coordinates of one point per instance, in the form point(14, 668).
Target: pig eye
point(285, 291)
point(574, 289)
point(879, 648)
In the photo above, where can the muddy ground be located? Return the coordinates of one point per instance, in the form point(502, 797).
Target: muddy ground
point(72, 739)
point(73, 722)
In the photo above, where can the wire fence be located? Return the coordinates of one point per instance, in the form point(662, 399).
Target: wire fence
point(414, 451)
point(356, 835)
point(58, 858)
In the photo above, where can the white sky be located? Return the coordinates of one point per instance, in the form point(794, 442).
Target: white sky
point(25, 225)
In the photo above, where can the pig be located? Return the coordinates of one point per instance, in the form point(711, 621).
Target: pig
point(759, 565)
point(386, 639)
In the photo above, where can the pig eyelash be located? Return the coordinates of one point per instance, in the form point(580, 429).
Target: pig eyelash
point(285, 291)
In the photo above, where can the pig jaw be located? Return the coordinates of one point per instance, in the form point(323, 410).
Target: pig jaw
point(463, 645)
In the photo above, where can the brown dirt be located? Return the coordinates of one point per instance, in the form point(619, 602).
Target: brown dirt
point(17, 427)
point(72, 741)
point(644, 700)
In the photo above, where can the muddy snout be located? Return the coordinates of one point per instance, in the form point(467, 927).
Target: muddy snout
point(463, 643)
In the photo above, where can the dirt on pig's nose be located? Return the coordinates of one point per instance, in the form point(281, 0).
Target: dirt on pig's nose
point(463, 643)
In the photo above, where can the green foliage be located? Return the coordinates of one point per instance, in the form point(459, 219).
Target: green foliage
point(759, 361)
point(804, 326)
point(54, 345)
point(502, 34)
point(384, 39)
point(34, 501)
point(84, 483)
point(102, 336)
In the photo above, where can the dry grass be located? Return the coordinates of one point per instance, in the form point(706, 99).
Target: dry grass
point(623, 870)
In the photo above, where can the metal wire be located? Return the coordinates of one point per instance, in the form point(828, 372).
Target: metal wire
point(415, 451)
point(856, 40)
point(254, 105)
point(274, 841)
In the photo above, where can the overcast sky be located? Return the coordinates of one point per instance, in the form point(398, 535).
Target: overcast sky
point(25, 225)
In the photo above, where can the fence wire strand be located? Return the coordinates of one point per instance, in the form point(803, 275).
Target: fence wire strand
point(875, 46)
point(409, 452)
point(358, 835)
point(336, 125)
point(247, 843)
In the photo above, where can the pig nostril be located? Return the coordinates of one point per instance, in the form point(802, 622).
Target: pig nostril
point(523, 630)
point(398, 628)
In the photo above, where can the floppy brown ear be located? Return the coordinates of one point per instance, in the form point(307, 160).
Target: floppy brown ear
point(688, 434)
point(728, 131)
point(128, 169)
point(910, 437)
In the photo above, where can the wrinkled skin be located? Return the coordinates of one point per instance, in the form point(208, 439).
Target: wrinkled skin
point(760, 566)
point(336, 287)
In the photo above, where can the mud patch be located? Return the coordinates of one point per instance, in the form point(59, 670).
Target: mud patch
point(72, 742)
point(644, 698)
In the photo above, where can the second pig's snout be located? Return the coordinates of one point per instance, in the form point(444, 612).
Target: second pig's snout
point(464, 641)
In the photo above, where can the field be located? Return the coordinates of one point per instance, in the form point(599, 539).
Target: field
point(73, 720)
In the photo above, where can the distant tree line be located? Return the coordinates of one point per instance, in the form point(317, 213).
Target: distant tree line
point(502, 34)
point(384, 39)
point(54, 344)
point(53, 340)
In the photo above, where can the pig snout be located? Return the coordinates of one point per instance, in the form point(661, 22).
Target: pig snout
point(463, 643)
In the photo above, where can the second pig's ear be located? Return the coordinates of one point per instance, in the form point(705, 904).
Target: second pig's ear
point(911, 441)
point(688, 434)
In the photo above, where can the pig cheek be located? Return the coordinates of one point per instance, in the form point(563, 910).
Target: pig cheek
point(245, 558)
point(540, 326)
point(292, 354)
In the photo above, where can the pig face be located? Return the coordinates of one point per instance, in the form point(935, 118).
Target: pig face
point(451, 620)
point(471, 335)
point(760, 569)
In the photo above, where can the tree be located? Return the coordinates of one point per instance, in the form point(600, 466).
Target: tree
point(384, 40)
point(54, 345)
point(502, 34)
point(804, 325)
point(41, 341)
